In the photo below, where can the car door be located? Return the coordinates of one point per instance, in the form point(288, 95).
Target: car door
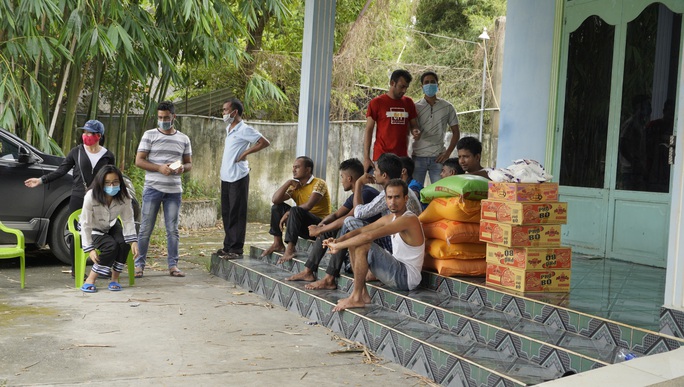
point(20, 207)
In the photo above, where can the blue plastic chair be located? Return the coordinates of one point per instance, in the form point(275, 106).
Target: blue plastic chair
point(15, 251)
point(81, 257)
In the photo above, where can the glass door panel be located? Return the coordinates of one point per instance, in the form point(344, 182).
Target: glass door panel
point(648, 91)
point(587, 103)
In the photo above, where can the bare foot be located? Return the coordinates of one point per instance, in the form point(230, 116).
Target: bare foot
point(273, 249)
point(327, 283)
point(305, 275)
point(370, 276)
point(350, 302)
point(290, 253)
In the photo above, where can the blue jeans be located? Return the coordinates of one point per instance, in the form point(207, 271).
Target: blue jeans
point(152, 200)
point(389, 270)
point(426, 165)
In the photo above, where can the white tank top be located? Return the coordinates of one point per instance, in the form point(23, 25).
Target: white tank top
point(411, 256)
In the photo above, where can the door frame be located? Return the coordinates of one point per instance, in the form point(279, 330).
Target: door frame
point(616, 13)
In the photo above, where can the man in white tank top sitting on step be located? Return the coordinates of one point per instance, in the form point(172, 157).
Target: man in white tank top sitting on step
point(399, 270)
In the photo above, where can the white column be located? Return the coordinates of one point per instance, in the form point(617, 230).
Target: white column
point(316, 78)
point(674, 282)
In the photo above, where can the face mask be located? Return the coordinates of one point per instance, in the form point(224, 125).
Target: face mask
point(112, 190)
point(430, 89)
point(164, 125)
point(90, 140)
point(228, 119)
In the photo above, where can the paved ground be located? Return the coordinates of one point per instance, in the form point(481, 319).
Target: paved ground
point(168, 331)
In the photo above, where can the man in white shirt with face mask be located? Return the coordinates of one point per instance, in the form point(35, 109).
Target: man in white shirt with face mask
point(241, 140)
point(435, 115)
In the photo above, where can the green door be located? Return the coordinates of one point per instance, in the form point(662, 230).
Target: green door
point(617, 88)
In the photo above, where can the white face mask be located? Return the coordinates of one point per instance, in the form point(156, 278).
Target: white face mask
point(228, 119)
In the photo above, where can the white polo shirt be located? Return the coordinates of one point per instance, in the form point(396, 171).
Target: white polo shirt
point(237, 141)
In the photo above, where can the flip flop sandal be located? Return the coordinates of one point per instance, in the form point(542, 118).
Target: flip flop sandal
point(114, 286)
point(138, 274)
point(176, 273)
point(88, 288)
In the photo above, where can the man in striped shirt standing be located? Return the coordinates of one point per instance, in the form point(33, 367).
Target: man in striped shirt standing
point(164, 153)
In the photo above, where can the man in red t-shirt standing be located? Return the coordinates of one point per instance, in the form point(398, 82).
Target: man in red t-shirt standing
point(394, 115)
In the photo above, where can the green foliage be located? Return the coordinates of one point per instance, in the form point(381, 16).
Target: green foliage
point(53, 55)
point(191, 188)
point(132, 53)
point(194, 190)
point(137, 177)
point(445, 40)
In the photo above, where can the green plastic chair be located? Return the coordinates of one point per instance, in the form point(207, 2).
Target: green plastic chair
point(81, 257)
point(15, 251)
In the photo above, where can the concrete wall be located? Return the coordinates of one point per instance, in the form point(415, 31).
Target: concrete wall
point(526, 81)
point(272, 166)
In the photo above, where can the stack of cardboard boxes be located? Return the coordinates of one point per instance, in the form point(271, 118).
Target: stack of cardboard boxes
point(521, 223)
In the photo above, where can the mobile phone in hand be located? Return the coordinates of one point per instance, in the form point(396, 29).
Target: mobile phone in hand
point(370, 170)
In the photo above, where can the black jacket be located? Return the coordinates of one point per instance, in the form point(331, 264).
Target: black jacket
point(85, 170)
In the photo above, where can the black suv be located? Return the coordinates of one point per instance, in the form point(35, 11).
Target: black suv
point(41, 213)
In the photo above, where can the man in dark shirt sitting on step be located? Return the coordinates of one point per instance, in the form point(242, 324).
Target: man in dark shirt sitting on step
point(389, 166)
point(350, 171)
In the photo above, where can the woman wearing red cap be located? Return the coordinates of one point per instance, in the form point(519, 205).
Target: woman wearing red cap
point(86, 159)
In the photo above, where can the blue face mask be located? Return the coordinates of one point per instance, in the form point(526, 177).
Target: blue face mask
point(164, 125)
point(112, 190)
point(430, 89)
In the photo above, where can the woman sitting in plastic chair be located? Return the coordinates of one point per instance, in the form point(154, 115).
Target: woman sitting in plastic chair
point(106, 200)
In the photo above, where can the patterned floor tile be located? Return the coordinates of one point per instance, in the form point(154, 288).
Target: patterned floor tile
point(447, 306)
point(451, 342)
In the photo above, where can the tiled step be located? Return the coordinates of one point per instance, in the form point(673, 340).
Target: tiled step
point(569, 326)
point(595, 339)
point(549, 338)
point(447, 357)
point(488, 326)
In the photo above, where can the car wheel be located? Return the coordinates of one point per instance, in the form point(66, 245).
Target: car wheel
point(58, 235)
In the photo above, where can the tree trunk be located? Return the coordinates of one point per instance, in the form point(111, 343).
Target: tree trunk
point(253, 46)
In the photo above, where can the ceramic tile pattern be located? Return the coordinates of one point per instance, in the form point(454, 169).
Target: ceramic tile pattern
point(508, 334)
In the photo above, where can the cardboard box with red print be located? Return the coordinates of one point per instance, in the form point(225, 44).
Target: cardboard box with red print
point(520, 236)
point(524, 213)
point(530, 258)
point(549, 280)
point(523, 192)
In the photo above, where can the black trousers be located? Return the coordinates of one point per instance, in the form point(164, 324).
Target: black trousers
point(337, 259)
point(113, 250)
point(297, 223)
point(234, 214)
point(318, 250)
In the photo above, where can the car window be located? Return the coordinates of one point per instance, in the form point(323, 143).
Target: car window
point(8, 150)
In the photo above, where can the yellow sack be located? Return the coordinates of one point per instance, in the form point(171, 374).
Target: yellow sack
point(453, 231)
point(456, 208)
point(440, 249)
point(456, 267)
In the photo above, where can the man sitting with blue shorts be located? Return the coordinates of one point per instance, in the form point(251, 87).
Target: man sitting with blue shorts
point(400, 269)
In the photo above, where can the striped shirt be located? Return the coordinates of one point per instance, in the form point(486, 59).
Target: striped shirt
point(164, 149)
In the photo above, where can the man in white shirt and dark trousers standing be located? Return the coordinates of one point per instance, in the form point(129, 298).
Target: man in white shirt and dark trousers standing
point(241, 140)
point(435, 115)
